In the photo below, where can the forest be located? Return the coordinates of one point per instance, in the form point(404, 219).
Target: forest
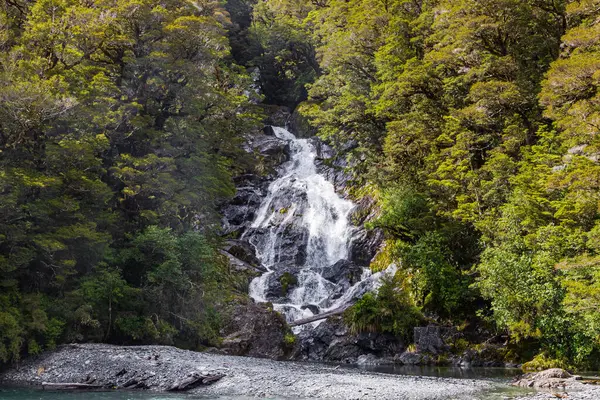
point(473, 124)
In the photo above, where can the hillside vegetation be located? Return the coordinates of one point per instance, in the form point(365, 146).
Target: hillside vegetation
point(121, 126)
point(474, 125)
point(477, 126)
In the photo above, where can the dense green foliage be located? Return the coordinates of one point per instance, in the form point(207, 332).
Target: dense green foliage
point(474, 124)
point(120, 129)
point(477, 122)
point(391, 310)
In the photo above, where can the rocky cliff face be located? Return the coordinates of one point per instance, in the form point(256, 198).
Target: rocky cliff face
point(301, 244)
point(293, 238)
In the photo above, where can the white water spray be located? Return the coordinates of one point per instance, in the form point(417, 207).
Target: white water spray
point(314, 208)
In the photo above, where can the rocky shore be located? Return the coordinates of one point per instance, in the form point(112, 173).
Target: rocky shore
point(161, 368)
point(557, 383)
point(164, 368)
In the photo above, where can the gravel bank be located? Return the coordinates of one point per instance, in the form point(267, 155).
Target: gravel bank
point(157, 368)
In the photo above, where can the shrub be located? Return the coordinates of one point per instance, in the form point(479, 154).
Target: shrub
point(391, 310)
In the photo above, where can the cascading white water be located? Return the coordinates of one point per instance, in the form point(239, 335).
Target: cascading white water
point(313, 207)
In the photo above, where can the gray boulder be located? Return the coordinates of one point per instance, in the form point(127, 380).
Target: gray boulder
point(364, 245)
point(255, 330)
point(279, 285)
point(332, 341)
point(243, 251)
point(238, 265)
point(274, 149)
point(433, 339)
point(291, 246)
point(554, 378)
point(343, 272)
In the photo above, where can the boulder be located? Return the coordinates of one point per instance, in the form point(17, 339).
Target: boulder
point(368, 359)
point(279, 285)
point(313, 308)
point(241, 266)
point(433, 338)
point(364, 245)
point(291, 246)
point(268, 130)
point(343, 272)
point(332, 341)
point(244, 251)
point(553, 378)
point(255, 330)
point(275, 150)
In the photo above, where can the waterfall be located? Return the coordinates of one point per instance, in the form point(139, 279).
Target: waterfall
point(301, 229)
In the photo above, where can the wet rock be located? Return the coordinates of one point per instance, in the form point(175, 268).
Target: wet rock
point(291, 246)
point(279, 285)
point(313, 308)
point(364, 245)
point(334, 170)
point(343, 272)
point(368, 359)
point(237, 216)
point(324, 151)
point(275, 150)
point(268, 130)
point(244, 251)
point(255, 330)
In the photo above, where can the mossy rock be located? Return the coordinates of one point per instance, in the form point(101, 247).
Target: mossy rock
point(287, 281)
